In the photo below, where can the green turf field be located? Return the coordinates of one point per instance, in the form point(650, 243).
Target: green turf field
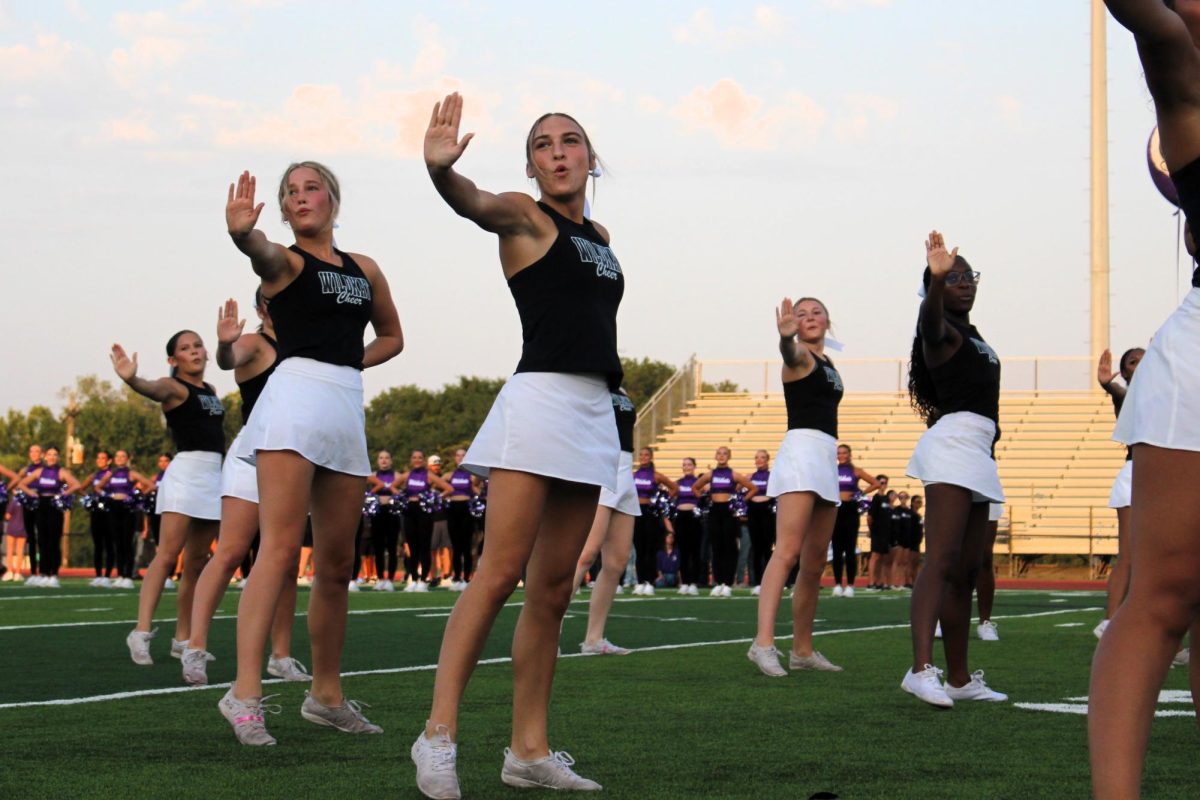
point(685, 716)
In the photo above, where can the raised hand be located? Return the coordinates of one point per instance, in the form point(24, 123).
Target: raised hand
point(123, 365)
point(241, 214)
point(785, 319)
point(229, 327)
point(940, 262)
point(1104, 370)
point(442, 145)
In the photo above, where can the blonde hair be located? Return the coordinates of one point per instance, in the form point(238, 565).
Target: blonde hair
point(328, 179)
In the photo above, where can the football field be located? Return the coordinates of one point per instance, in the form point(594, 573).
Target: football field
point(684, 716)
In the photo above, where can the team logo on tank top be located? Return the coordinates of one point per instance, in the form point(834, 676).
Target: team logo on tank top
point(211, 404)
point(985, 350)
point(834, 378)
point(606, 263)
point(622, 403)
point(348, 288)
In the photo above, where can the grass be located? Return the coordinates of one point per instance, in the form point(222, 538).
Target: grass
point(676, 722)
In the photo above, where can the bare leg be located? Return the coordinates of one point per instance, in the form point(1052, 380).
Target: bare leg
point(985, 584)
point(595, 541)
point(956, 600)
point(171, 539)
point(1118, 578)
point(808, 583)
point(792, 521)
point(195, 555)
point(285, 481)
point(515, 505)
point(569, 510)
point(947, 510)
point(285, 618)
point(336, 507)
point(615, 552)
point(239, 523)
point(1162, 604)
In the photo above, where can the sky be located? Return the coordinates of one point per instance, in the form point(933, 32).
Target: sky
point(753, 151)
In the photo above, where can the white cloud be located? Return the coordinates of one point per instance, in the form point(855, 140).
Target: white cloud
point(841, 5)
point(47, 58)
point(77, 11)
point(156, 43)
point(742, 121)
point(135, 127)
point(1010, 111)
point(702, 29)
point(650, 104)
point(862, 113)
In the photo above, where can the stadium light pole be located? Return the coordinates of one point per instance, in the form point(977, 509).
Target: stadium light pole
point(1099, 191)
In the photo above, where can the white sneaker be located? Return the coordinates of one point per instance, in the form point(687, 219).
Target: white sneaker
point(552, 772)
point(649, 590)
point(241, 584)
point(289, 669)
point(756, 591)
point(1100, 629)
point(8, 576)
point(926, 686)
point(849, 592)
point(694, 591)
point(352, 587)
point(388, 586)
point(421, 586)
point(767, 660)
point(838, 591)
point(975, 689)
point(1182, 658)
point(620, 589)
point(126, 583)
point(34, 580)
point(195, 666)
point(637, 590)
point(727, 591)
point(18, 577)
point(52, 582)
point(104, 582)
point(937, 632)
point(603, 648)
point(246, 717)
point(436, 759)
point(177, 647)
point(139, 646)
point(408, 587)
point(94, 582)
point(816, 662)
point(168, 584)
point(987, 631)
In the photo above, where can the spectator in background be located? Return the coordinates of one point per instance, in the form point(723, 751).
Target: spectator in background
point(879, 522)
point(902, 526)
point(668, 564)
point(14, 541)
point(440, 544)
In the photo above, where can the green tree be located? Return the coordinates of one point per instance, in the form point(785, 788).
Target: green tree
point(406, 418)
point(644, 377)
point(725, 387)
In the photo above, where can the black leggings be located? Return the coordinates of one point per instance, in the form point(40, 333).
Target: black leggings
point(761, 521)
point(50, 523)
point(31, 538)
point(104, 557)
point(120, 528)
point(726, 535)
point(687, 539)
point(462, 528)
point(647, 538)
point(418, 532)
point(845, 542)
point(385, 541)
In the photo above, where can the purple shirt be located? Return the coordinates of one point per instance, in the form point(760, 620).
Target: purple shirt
point(668, 563)
point(460, 481)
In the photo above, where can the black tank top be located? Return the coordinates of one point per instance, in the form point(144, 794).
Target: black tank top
point(1118, 401)
point(1187, 183)
point(253, 387)
point(568, 303)
point(626, 415)
point(970, 380)
point(812, 401)
point(198, 422)
point(322, 313)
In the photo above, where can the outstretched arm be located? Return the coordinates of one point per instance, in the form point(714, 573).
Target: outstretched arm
point(939, 339)
point(269, 260)
point(507, 214)
point(796, 357)
point(162, 390)
point(233, 350)
point(1106, 376)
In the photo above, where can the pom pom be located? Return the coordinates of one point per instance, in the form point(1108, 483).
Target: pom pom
point(29, 502)
point(370, 505)
point(477, 506)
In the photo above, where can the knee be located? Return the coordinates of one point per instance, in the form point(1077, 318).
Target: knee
point(786, 555)
point(496, 581)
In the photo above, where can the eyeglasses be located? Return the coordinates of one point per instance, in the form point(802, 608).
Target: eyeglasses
point(970, 277)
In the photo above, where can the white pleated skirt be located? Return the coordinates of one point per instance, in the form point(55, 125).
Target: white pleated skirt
point(239, 478)
point(958, 450)
point(625, 498)
point(1122, 490)
point(995, 512)
point(554, 424)
point(1162, 406)
point(191, 486)
point(314, 409)
point(806, 462)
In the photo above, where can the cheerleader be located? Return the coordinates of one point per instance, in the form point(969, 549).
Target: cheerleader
point(721, 484)
point(612, 535)
point(252, 357)
point(463, 486)
point(29, 514)
point(14, 537)
point(48, 483)
point(307, 437)
point(118, 487)
point(805, 481)
point(547, 445)
point(1120, 497)
point(845, 527)
point(418, 522)
point(1160, 419)
point(760, 518)
point(647, 525)
point(103, 552)
point(190, 496)
point(385, 525)
point(687, 529)
point(954, 382)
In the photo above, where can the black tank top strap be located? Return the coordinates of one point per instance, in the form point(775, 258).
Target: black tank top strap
point(253, 387)
point(568, 301)
point(198, 423)
point(323, 312)
point(812, 401)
